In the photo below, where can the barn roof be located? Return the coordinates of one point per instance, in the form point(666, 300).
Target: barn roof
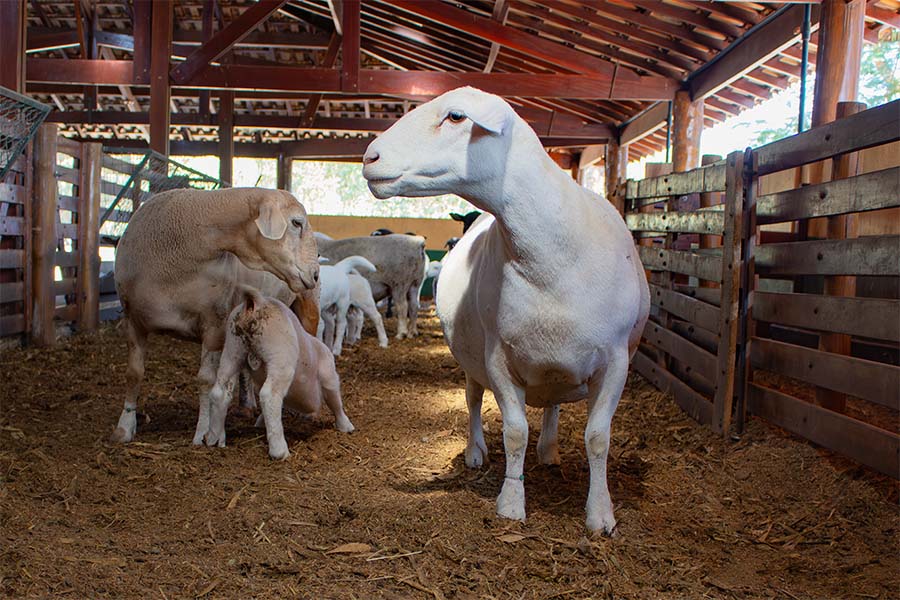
point(580, 71)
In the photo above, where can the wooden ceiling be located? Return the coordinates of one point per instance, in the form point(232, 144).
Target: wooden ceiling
point(580, 71)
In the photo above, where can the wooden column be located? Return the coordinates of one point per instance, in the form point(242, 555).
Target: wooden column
point(840, 227)
point(285, 163)
point(350, 46)
point(838, 57)
point(226, 136)
point(616, 166)
point(143, 17)
point(706, 200)
point(43, 241)
point(206, 19)
point(687, 124)
point(12, 45)
point(160, 92)
point(88, 237)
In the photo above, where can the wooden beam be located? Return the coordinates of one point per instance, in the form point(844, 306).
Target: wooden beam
point(161, 49)
point(312, 103)
point(499, 14)
point(515, 39)
point(78, 71)
point(882, 15)
point(207, 14)
point(839, 57)
point(225, 148)
point(616, 166)
point(12, 45)
point(644, 123)
point(350, 46)
point(751, 50)
point(687, 125)
point(336, 8)
point(283, 172)
point(141, 41)
point(88, 233)
point(44, 241)
point(42, 39)
point(220, 43)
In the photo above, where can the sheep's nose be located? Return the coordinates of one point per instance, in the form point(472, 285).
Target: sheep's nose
point(316, 276)
point(370, 157)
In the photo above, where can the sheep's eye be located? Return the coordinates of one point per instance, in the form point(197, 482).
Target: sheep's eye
point(456, 117)
point(298, 223)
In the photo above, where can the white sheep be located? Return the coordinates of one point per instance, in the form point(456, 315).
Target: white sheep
point(363, 304)
point(177, 268)
point(288, 364)
point(543, 304)
point(334, 300)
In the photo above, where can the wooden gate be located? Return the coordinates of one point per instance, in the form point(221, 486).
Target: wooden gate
point(689, 343)
point(803, 344)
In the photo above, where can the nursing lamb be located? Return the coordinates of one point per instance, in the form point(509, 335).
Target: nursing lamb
point(543, 304)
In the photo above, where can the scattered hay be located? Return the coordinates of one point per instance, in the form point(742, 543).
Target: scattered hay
point(391, 511)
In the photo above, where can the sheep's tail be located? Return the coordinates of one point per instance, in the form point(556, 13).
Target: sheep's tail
point(355, 262)
point(251, 297)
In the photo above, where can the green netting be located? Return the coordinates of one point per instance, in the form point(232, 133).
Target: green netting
point(19, 120)
point(130, 179)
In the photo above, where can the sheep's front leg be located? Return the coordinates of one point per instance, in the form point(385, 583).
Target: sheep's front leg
point(209, 365)
point(511, 400)
point(548, 442)
point(476, 449)
point(137, 343)
point(371, 311)
point(601, 407)
point(331, 392)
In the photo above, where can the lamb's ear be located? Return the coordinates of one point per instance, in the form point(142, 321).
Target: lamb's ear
point(271, 222)
point(492, 114)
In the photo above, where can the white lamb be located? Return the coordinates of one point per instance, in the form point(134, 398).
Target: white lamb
point(543, 304)
point(363, 304)
point(288, 364)
point(334, 299)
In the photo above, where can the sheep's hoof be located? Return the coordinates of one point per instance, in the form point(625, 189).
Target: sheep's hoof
point(603, 526)
point(121, 436)
point(476, 456)
point(344, 425)
point(511, 502)
point(549, 454)
point(280, 454)
point(198, 438)
point(215, 439)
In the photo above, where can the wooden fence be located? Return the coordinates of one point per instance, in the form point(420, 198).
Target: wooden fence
point(689, 343)
point(49, 261)
point(800, 362)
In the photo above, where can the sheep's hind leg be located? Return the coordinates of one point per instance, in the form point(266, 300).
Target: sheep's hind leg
point(331, 392)
point(413, 309)
point(548, 442)
point(476, 449)
point(137, 343)
point(402, 307)
point(601, 406)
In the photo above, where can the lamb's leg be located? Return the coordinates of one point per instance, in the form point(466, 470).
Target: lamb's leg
point(137, 343)
point(247, 394)
point(548, 442)
point(511, 400)
point(413, 310)
point(371, 311)
point(209, 365)
point(601, 406)
point(234, 356)
point(402, 307)
point(328, 320)
point(331, 392)
point(340, 329)
point(476, 449)
point(271, 398)
point(354, 325)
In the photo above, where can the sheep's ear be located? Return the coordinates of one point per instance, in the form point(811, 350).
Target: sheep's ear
point(495, 116)
point(271, 222)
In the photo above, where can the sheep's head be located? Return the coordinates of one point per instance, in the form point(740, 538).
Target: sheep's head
point(282, 241)
point(446, 146)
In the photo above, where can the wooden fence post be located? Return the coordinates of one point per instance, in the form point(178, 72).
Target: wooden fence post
point(840, 227)
point(43, 242)
point(707, 200)
point(88, 237)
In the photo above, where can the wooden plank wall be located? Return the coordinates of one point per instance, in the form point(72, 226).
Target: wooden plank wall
point(845, 397)
point(49, 264)
point(689, 343)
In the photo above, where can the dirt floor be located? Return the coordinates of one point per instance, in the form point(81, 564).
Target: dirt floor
point(391, 511)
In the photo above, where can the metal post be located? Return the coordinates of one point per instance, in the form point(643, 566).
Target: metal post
point(669, 132)
point(804, 65)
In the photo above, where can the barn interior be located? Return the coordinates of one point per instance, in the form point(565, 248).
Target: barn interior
point(757, 448)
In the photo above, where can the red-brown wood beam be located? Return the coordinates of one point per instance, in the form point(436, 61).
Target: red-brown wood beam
point(510, 37)
point(12, 45)
point(220, 43)
point(644, 124)
point(881, 15)
point(350, 46)
point(207, 15)
point(78, 71)
point(142, 46)
point(226, 136)
point(312, 103)
point(499, 14)
point(161, 49)
point(687, 125)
